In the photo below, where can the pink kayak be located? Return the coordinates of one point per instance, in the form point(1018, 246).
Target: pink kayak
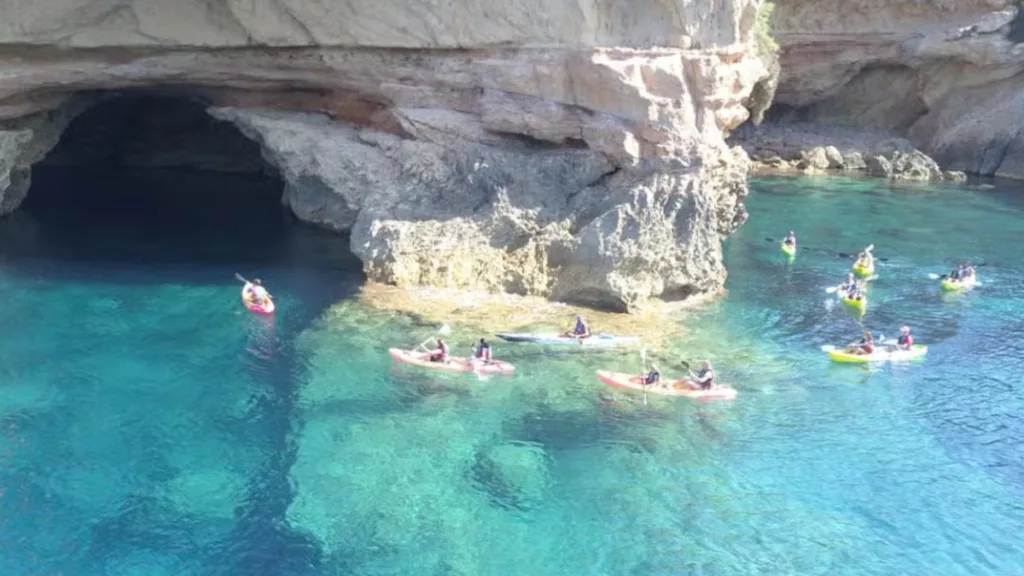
point(680, 387)
point(422, 359)
point(267, 309)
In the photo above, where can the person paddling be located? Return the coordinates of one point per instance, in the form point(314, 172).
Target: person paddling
point(905, 341)
point(790, 239)
point(482, 352)
point(256, 293)
point(439, 354)
point(866, 345)
point(653, 375)
point(582, 330)
point(704, 379)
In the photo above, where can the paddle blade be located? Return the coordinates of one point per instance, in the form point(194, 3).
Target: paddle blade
point(827, 347)
point(934, 276)
point(240, 278)
point(832, 289)
point(685, 365)
point(444, 330)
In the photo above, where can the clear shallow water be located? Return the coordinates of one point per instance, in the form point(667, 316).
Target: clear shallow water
point(149, 426)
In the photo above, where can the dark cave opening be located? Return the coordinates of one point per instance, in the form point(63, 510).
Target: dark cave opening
point(143, 176)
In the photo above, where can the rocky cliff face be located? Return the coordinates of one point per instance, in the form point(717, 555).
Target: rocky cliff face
point(946, 74)
point(568, 148)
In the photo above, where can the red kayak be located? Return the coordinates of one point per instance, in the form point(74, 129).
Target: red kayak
point(267, 309)
point(422, 359)
point(680, 387)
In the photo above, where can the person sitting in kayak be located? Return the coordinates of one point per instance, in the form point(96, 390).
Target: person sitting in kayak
point(482, 352)
point(968, 272)
point(905, 341)
point(256, 293)
point(855, 291)
point(653, 376)
point(581, 330)
point(866, 345)
point(849, 284)
point(441, 353)
point(865, 259)
point(790, 239)
point(704, 379)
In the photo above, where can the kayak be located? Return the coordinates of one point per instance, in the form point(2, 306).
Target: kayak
point(788, 249)
point(861, 304)
point(422, 359)
point(882, 354)
point(553, 339)
point(634, 382)
point(863, 271)
point(267, 309)
point(955, 286)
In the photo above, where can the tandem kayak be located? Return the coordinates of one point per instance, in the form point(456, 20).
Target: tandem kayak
point(267, 309)
point(553, 339)
point(422, 359)
point(957, 285)
point(679, 387)
point(788, 249)
point(860, 305)
point(863, 271)
point(882, 354)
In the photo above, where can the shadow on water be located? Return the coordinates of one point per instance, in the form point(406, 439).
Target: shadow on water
point(156, 227)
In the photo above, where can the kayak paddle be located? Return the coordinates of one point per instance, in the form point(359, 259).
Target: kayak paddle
point(443, 330)
point(643, 368)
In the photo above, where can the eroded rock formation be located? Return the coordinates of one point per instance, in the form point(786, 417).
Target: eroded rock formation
point(945, 74)
point(572, 149)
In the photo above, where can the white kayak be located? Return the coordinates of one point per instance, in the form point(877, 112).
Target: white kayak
point(555, 339)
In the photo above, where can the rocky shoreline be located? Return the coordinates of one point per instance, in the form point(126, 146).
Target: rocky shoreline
point(816, 149)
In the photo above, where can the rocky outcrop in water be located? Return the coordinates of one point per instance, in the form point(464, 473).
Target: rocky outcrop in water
point(574, 150)
point(944, 74)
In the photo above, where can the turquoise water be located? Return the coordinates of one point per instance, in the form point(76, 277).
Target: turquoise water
point(151, 426)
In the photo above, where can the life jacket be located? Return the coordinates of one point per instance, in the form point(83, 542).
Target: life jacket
point(652, 377)
point(867, 345)
point(905, 340)
point(791, 240)
point(483, 352)
point(581, 328)
point(703, 374)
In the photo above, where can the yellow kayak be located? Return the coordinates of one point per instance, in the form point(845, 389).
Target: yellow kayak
point(881, 354)
point(861, 304)
point(957, 285)
point(788, 249)
point(863, 271)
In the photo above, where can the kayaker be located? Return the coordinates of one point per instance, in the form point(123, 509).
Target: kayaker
point(256, 292)
point(482, 352)
point(866, 345)
point(968, 271)
point(790, 239)
point(704, 379)
point(653, 376)
point(865, 259)
point(856, 292)
point(905, 341)
point(440, 354)
point(849, 284)
point(582, 330)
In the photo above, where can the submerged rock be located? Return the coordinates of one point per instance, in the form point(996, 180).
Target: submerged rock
point(513, 475)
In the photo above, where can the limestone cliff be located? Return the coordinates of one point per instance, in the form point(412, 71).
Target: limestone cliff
point(566, 148)
point(946, 74)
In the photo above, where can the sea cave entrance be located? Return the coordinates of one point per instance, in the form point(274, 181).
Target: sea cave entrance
point(151, 176)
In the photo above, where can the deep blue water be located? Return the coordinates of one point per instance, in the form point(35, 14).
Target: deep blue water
point(149, 425)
